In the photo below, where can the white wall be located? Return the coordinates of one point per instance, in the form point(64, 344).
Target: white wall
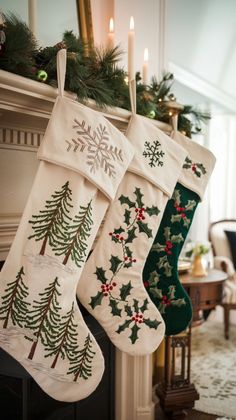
point(53, 17)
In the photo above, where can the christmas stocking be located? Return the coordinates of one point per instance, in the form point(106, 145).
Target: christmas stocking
point(83, 159)
point(160, 273)
point(111, 285)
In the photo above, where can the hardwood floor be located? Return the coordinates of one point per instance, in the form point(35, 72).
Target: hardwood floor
point(192, 415)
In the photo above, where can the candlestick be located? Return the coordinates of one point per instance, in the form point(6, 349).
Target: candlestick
point(131, 72)
point(32, 15)
point(111, 34)
point(145, 67)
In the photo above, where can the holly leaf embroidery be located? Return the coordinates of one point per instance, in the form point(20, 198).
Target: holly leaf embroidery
point(128, 252)
point(131, 235)
point(119, 230)
point(144, 306)
point(151, 211)
point(136, 305)
point(156, 293)
point(171, 291)
point(153, 279)
point(125, 290)
point(176, 196)
point(114, 308)
point(177, 238)
point(190, 205)
point(187, 163)
point(167, 233)
point(115, 262)
point(139, 196)
point(96, 300)
point(164, 263)
point(178, 302)
point(134, 333)
point(123, 326)
point(201, 167)
point(125, 200)
point(161, 308)
point(127, 217)
point(175, 218)
point(157, 247)
point(143, 227)
point(128, 310)
point(186, 221)
point(100, 273)
point(151, 324)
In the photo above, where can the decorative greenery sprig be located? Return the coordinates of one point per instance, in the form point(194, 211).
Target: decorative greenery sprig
point(197, 249)
point(96, 76)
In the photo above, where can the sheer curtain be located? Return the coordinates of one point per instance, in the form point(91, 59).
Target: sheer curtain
point(222, 142)
point(220, 197)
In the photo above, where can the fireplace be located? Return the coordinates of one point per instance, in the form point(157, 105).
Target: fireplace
point(25, 109)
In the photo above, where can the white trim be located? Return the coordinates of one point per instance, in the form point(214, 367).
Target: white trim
point(133, 398)
point(203, 87)
point(8, 226)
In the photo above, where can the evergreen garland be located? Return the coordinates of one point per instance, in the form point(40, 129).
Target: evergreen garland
point(96, 76)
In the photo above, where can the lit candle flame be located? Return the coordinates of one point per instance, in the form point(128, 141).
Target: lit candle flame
point(131, 24)
point(111, 25)
point(145, 56)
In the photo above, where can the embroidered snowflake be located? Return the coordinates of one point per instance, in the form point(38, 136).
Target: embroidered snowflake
point(153, 153)
point(96, 143)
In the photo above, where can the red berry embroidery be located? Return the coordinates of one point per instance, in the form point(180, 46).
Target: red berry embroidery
point(146, 284)
point(114, 283)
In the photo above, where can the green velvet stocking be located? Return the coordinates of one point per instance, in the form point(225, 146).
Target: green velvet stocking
point(160, 274)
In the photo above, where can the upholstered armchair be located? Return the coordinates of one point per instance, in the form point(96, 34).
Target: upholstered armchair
point(222, 235)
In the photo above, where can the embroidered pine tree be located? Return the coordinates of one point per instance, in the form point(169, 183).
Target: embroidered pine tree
point(74, 244)
point(50, 224)
point(81, 363)
point(64, 343)
point(14, 306)
point(44, 318)
point(96, 143)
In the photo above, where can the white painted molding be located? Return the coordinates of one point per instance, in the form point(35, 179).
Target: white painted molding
point(15, 139)
point(8, 226)
point(203, 87)
point(133, 387)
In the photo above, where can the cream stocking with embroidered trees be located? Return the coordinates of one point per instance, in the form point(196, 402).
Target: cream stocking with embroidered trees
point(160, 274)
point(111, 285)
point(83, 159)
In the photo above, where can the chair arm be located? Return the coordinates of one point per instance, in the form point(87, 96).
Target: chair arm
point(225, 264)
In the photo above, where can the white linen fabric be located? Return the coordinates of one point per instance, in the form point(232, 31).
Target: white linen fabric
point(111, 286)
point(83, 159)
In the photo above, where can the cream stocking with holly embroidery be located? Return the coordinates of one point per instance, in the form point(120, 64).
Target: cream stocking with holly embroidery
point(83, 159)
point(111, 286)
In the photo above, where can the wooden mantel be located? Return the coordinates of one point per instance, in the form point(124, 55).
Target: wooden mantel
point(25, 108)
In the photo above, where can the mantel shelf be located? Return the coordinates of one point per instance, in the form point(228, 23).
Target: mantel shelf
point(31, 98)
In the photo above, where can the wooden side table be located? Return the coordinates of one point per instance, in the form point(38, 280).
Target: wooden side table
point(176, 392)
point(204, 292)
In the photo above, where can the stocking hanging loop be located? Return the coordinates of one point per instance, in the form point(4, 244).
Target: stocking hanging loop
point(61, 70)
point(174, 123)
